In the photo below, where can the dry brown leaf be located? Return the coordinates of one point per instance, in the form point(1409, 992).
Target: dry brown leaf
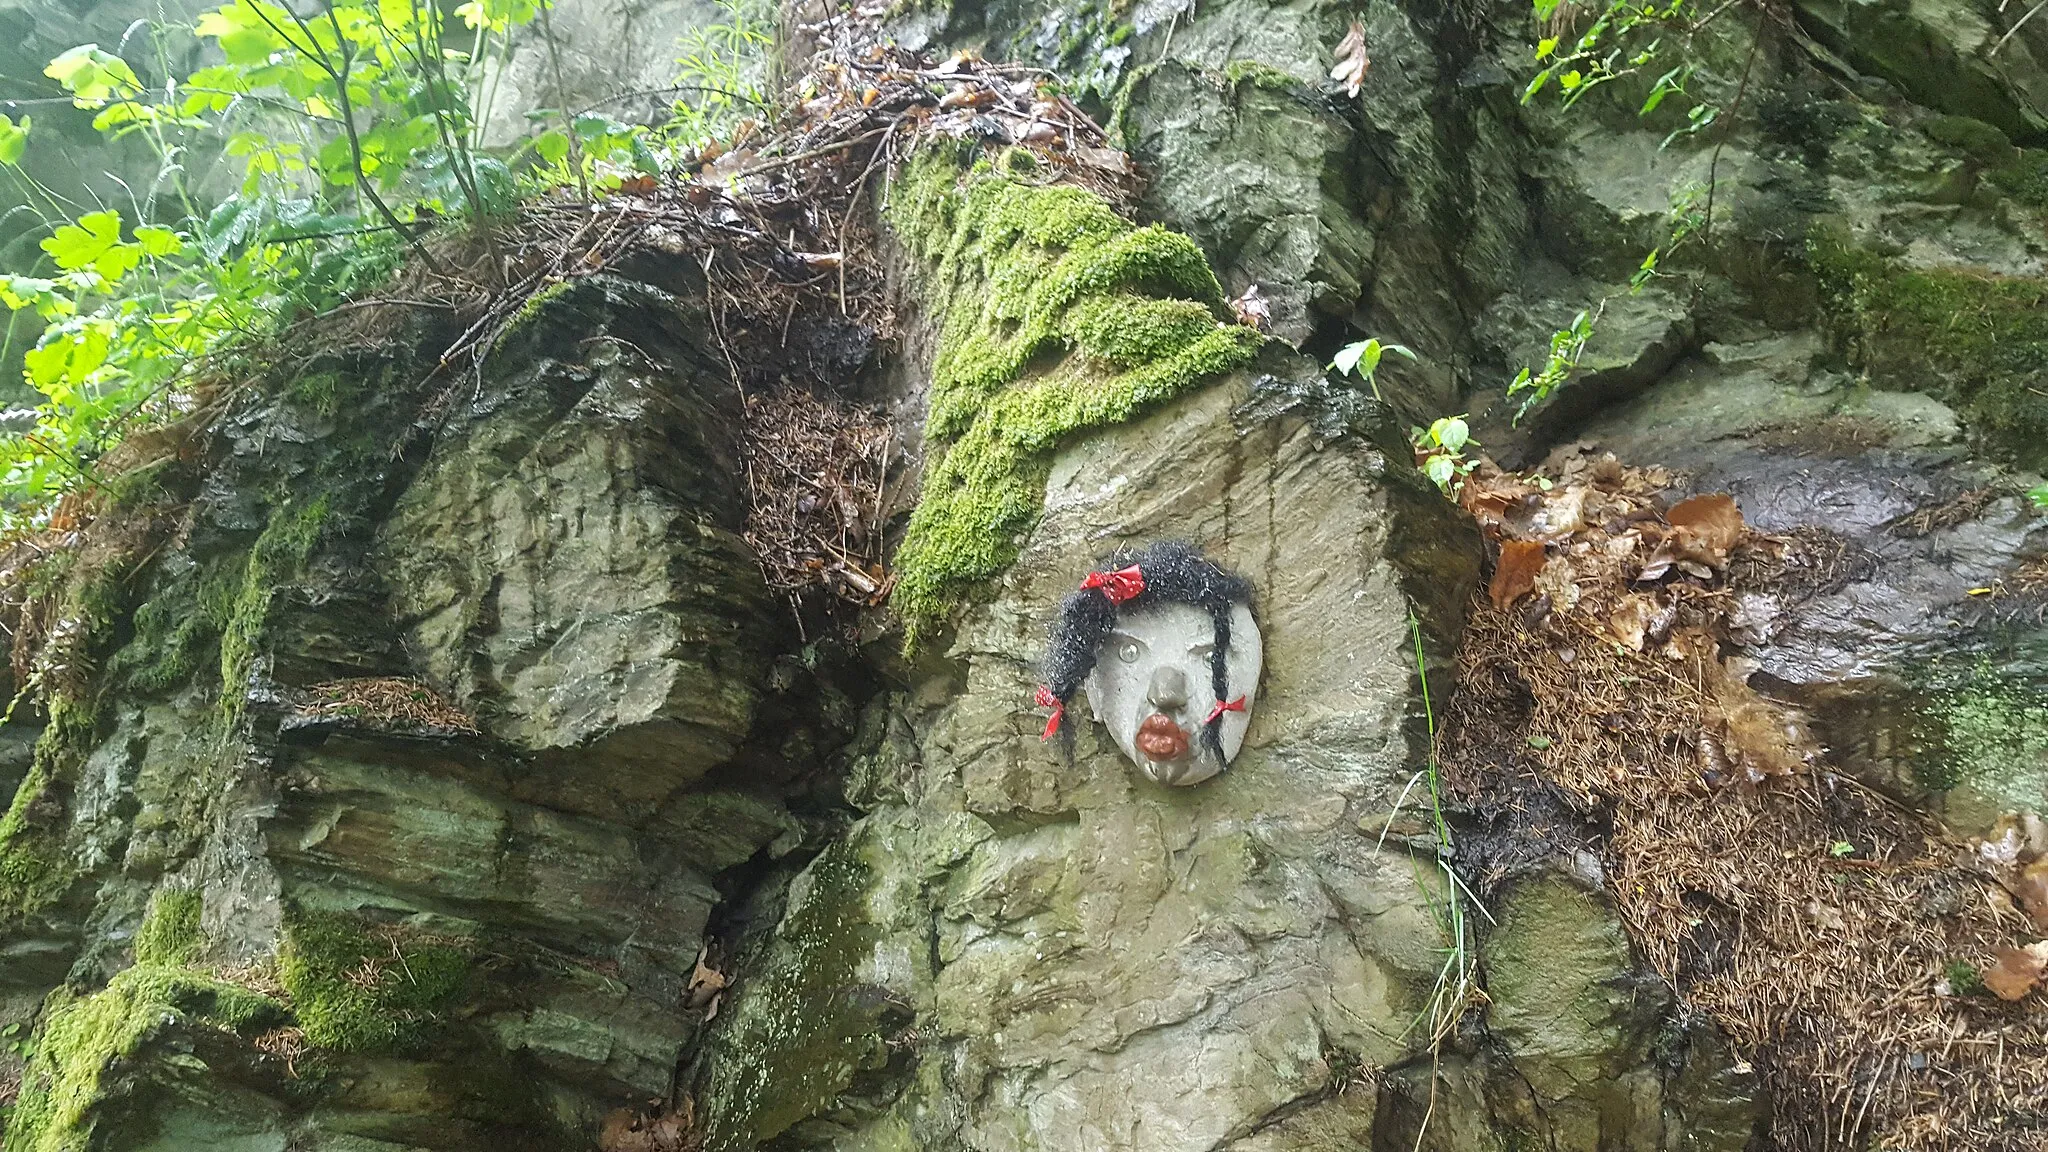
point(1352, 61)
point(2031, 887)
point(1713, 520)
point(1252, 309)
point(2017, 970)
point(1515, 575)
point(1638, 619)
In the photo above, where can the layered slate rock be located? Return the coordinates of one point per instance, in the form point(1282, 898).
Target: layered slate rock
point(467, 935)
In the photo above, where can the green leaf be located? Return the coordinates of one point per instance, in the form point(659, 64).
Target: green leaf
point(1570, 80)
point(1442, 470)
point(1841, 848)
point(1539, 743)
point(158, 241)
point(93, 77)
point(1347, 357)
point(1545, 47)
point(94, 242)
point(2039, 496)
point(13, 139)
point(1454, 435)
point(552, 146)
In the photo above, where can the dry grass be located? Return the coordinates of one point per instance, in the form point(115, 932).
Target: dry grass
point(385, 702)
point(1811, 918)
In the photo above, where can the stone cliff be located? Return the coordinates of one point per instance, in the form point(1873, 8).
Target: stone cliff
point(419, 762)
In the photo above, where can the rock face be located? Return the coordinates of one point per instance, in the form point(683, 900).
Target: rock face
point(486, 933)
point(1012, 951)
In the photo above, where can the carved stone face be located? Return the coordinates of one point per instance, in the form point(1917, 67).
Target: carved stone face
point(1151, 686)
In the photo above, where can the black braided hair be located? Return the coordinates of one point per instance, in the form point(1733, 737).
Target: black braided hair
point(1175, 573)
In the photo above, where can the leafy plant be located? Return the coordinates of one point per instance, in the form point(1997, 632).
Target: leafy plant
point(351, 128)
point(2038, 495)
point(718, 75)
point(1363, 358)
point(1440, 449)
point(1627, 39)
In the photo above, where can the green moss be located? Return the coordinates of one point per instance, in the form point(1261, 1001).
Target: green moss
point(80, 1036)
point(278, 557)
point(1989, 729)
point(35, 868)
point(176, 628)
point(1260, 75)
point(535, 305)
point(1963, 978)
point(1979, 341)
point(1059, 316)
point(2024, 178)
point(358, 989)
point(1982, 142)
point(170, 929)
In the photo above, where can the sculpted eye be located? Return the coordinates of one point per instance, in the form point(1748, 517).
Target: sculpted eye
point(1128, 650)
point(1202, 651)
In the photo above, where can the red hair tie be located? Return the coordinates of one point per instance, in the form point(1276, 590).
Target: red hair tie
point(1120, 585)
point(1045, 699)
point(1236, 705)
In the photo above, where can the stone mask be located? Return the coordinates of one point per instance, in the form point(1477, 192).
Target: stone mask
point(1151, 686)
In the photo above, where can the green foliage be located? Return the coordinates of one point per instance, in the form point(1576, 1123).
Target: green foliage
point(2038, 496)
point(719, 72)
point(82, 1036)
point(359, 989)
point(1626, 39)
point(1363, 358)
point(35, 868)
point(345, 125)
point(1442, 449)
point(1028, 273)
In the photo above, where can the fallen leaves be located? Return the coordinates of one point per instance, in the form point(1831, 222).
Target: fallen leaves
point(1352, 62)
point(1252, 309)
point(1515, 575)
point(654, 1129)
point(1703, 529)
point(2016, 971)
point(707, 985)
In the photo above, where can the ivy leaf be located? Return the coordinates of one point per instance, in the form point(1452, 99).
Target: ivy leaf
point(93, 77)
point(13, 139)
point(245, 37)
point(551, 146)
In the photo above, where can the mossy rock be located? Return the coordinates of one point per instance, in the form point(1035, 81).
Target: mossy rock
point(82, 1036)
point(1977, 340)
point(1058, 316)
point(358, 987)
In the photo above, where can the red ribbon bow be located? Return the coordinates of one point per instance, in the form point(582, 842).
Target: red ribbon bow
point(1221, 707)
point(1120, 585)
point(1045, 699)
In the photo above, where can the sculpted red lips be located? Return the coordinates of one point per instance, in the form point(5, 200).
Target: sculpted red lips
point(1159, 738)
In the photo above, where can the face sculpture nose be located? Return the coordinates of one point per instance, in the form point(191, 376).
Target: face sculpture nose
point(1169, 688)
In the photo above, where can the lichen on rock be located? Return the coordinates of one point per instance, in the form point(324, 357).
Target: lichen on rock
point(1057, 316)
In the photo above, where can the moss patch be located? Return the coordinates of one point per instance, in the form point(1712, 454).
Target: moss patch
point(1058, 316)
point(1978, 341)
point(363, 988)
point(1992, 732)
point(81, 1035)
point(35, 868)
point(170, 929)
point(278, 556)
